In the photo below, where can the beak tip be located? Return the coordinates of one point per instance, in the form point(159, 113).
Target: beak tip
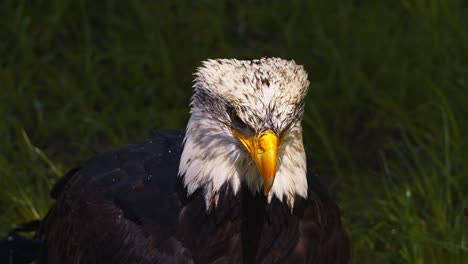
point(268, 183)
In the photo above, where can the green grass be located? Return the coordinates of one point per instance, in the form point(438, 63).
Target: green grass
point(385, 123)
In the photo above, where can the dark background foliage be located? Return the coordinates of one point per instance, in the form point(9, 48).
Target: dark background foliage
point(385, 123)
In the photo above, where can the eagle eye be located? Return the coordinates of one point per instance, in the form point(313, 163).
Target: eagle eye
point(236, 122)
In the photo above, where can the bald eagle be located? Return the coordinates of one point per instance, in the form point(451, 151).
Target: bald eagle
point(233, 187)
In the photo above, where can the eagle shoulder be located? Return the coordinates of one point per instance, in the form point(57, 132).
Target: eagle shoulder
point(119, 207)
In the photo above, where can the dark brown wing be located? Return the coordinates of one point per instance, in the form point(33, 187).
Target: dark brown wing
point(119, 208)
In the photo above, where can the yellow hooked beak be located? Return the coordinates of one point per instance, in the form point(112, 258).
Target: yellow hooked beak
point(264, 151)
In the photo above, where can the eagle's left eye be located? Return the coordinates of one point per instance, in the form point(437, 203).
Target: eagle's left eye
point(283, 133)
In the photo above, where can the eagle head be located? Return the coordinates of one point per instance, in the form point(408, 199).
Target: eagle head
point(245, 127)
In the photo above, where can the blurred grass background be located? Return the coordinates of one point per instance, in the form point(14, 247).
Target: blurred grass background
point(385, 124)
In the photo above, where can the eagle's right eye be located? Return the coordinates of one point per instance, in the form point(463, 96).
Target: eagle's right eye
point(236, 122)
